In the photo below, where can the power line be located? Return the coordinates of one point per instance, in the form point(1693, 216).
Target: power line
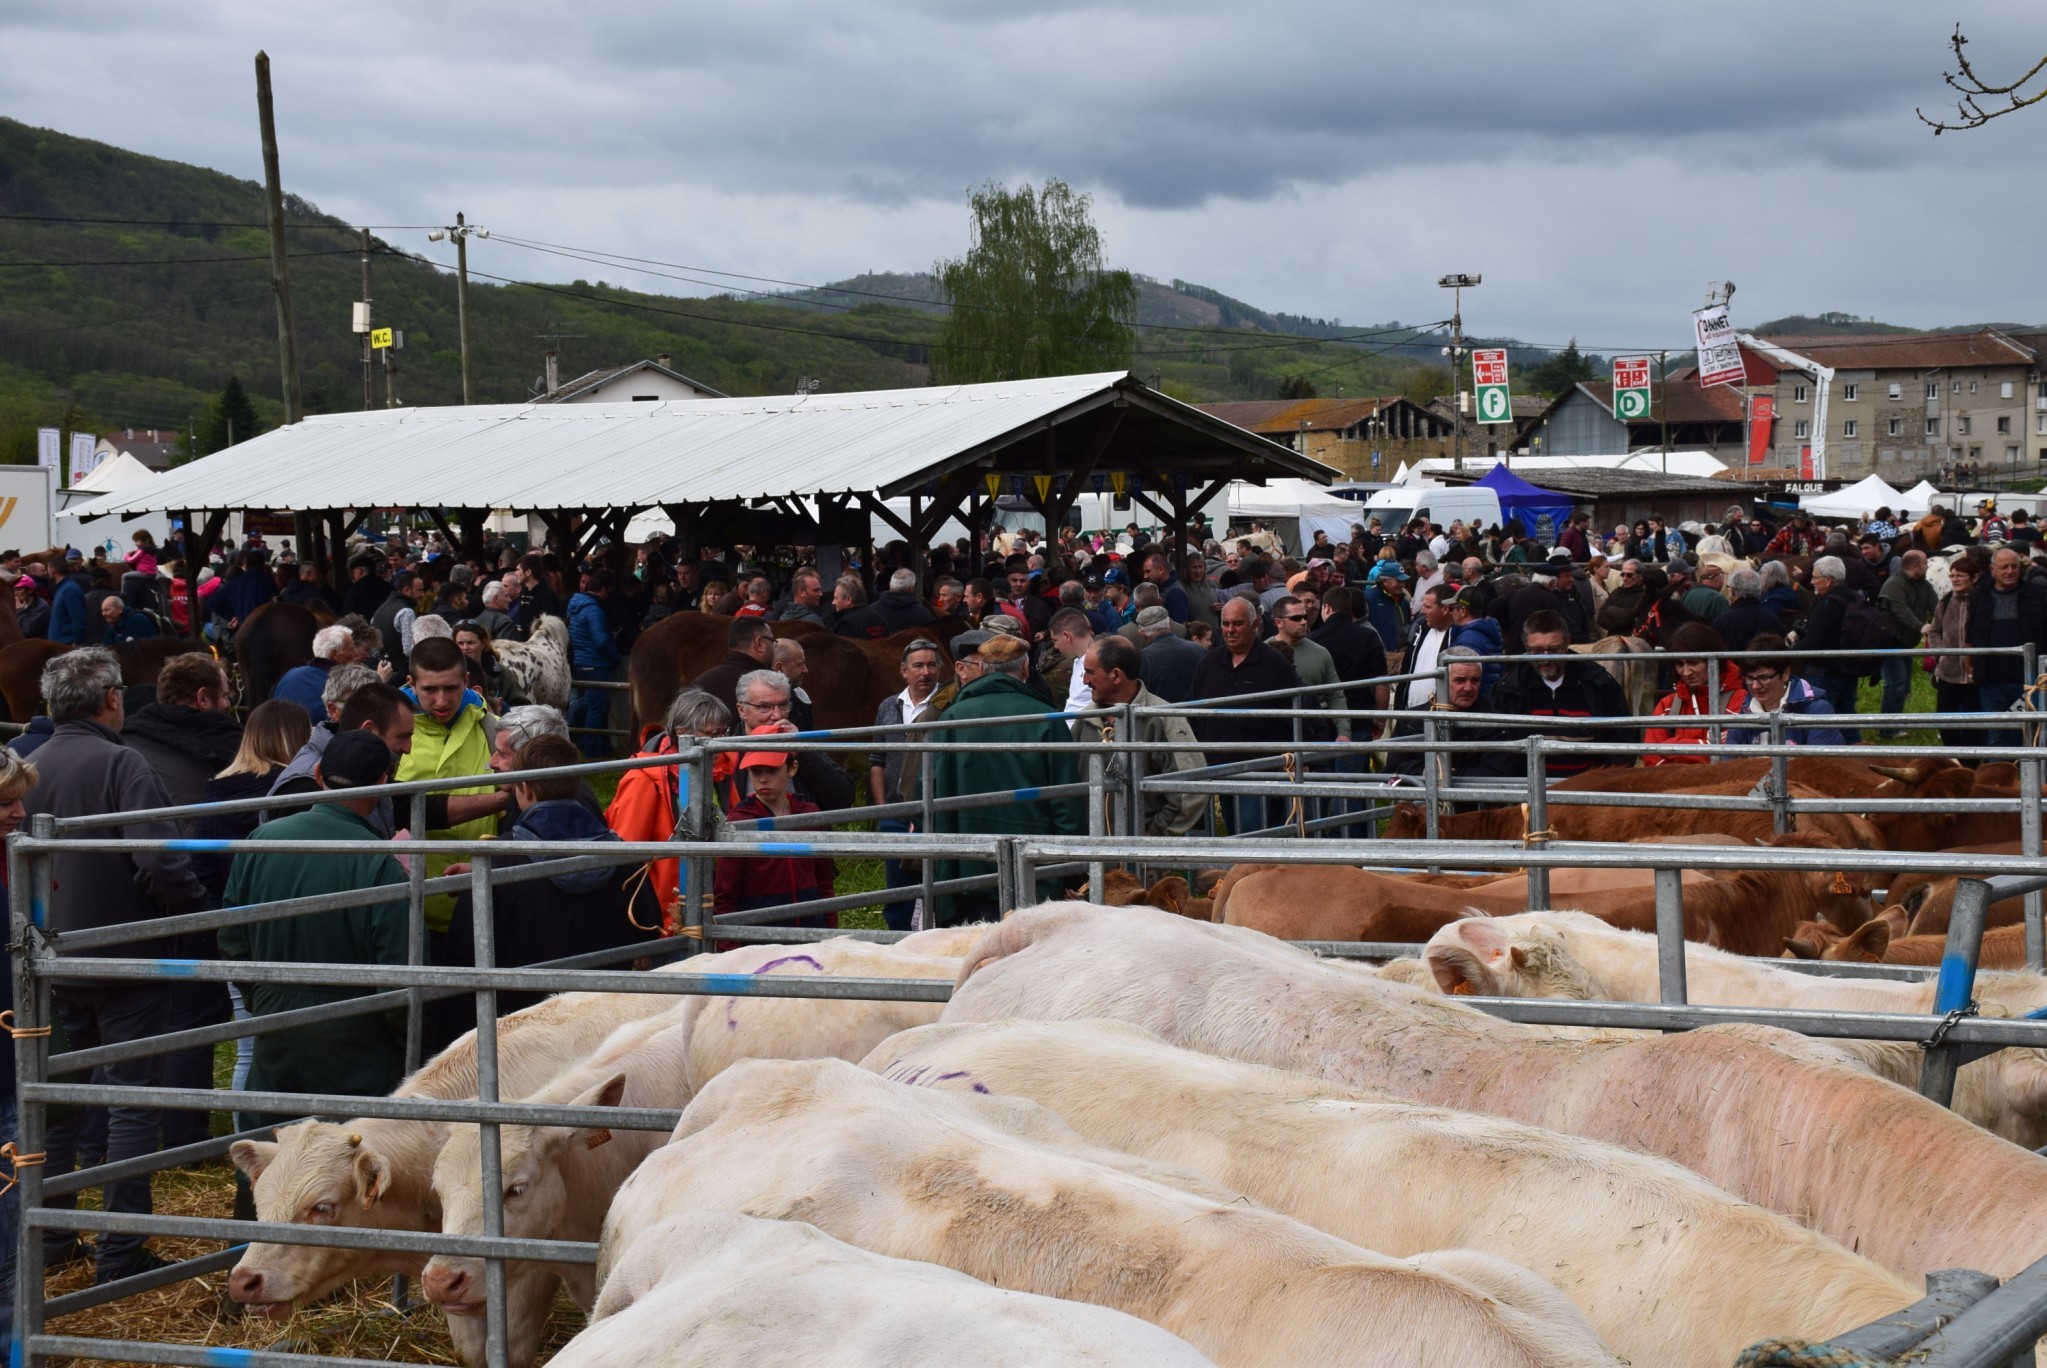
point(601, 258)
point(207, 223)
point(180, 261)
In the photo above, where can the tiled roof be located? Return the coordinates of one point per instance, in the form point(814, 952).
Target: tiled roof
point(1910, 351)
point(1688, 403)
point(1278, 417)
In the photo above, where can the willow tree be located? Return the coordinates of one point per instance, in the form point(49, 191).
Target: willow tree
point(1031, 297)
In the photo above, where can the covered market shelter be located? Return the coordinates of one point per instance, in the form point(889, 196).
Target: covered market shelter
point(806, 467)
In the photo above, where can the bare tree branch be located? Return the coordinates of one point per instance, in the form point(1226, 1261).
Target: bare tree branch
point(1969, 111)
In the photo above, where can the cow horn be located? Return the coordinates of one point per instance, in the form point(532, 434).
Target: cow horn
point(1904, 774)
point(354, 1140)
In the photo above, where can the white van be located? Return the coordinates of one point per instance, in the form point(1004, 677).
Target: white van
point(1399, 505)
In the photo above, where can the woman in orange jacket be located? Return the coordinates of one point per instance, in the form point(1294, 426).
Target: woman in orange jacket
point(648, 806)
point(1690, 696)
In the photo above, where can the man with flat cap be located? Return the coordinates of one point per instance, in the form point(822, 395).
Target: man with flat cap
point(1001, 690)
point(362, 1055)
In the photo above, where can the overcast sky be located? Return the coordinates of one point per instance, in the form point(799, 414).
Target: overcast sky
point(1599, 164)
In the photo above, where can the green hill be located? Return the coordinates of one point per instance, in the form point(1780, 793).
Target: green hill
point(132, 288)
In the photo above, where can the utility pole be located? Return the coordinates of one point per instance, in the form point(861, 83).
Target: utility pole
point(1663, 403)
point(280, 281)
point(461, 233)
point(362, 325)
point(1456, 284)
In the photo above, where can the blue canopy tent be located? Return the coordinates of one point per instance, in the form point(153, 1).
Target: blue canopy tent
point(1543, 512)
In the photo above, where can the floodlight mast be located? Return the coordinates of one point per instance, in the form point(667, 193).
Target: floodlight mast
point(1457, 283)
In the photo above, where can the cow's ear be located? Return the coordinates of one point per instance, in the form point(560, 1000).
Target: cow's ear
point(1798, 949)
point(609, 1092)
point(1518, 957)
point(1458, 972)
point(1915, 900)
point(1895, 918)
point(252, 1156)
point(372, 1177)
point(1869, 942)
point(1478, 934)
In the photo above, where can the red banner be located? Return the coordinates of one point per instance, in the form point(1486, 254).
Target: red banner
point(1762, 413)
point(1805, 463)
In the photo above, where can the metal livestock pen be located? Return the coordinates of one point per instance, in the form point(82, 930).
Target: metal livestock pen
point(1967, 1319)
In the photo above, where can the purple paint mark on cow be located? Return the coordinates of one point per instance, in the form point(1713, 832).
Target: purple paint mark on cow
point(980, 1087)
point(956, 1073)
point(731, 1021)
point(790, 959)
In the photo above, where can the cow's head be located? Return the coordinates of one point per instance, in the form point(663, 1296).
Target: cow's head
point(1505, 957)
point(1406, 823)
point(315, 1173)
point(536, 1206)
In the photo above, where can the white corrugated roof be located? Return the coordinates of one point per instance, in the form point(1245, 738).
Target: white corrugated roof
point(636, 455)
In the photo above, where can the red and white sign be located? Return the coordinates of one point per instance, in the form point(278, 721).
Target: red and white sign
point(1762, 414)
point(1805, 463)
point(1631, 372)
point(1719, 356)
point(1489, 366)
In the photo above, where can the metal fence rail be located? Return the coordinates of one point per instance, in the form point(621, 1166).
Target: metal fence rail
point(1114, 788)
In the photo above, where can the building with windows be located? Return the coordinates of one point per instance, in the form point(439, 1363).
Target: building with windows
point(1905, 406)
point(1367, 439)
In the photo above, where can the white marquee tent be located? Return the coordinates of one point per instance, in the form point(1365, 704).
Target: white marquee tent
point(1858, 500)
point(1921, 497)
point(1309, 506)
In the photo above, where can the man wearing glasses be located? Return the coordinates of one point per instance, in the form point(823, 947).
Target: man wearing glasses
point(765, 698)
point(1292, 622)
point(1556, 691)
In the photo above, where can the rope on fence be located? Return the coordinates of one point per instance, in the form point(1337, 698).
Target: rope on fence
point(21, 1032)
point(16, 1162)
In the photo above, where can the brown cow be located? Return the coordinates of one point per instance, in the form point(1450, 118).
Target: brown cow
point(1836, 778)
point(1929, 899)
point(1876, 942)
point(21, 668)
point(1570, 822)
point(1748, 912)
point(849, 678)
point(274, 638)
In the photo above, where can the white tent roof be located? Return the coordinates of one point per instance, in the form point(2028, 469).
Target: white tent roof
point(1701, 463)
point(1287, 499)
point(637, 455)
point(118, 471)
point(1858, 500)
point(1921, 497)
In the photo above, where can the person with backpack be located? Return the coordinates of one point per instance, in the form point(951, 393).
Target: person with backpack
point(1840, 620)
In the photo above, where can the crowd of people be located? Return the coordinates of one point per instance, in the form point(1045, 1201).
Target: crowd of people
point(1039, 643)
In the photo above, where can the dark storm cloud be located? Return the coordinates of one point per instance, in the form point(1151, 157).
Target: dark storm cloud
point(1313, 156)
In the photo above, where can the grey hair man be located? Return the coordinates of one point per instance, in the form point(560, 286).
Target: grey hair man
point(85, 771)
point(765, 698)
point(517, 729)
point(1113, 667)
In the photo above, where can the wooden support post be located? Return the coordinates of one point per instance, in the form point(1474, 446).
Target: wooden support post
point(201, 542)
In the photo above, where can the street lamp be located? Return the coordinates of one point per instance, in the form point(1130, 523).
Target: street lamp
point(461, 233)
point(1458, 283)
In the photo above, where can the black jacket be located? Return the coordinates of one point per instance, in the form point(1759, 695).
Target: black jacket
point(184, 745)
point(1166, 666)
point(861, 623)
point(1744, 622)
point(1986, 630)
point(1357, 651)
point(901, 610)
point(1505, 763)
point(1587, 690)
point(1262, 670)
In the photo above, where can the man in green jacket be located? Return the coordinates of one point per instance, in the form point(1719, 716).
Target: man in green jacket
point(362, 1055)
point(1002, 692)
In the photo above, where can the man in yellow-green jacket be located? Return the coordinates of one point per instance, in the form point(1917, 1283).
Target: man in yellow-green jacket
point(451, 737)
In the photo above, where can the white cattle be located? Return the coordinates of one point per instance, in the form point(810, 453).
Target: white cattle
point(1572, 955)
point(1026, 1204)
point(708, 1289)
point(559, 1180)
point(1767, 1115)
point(1668, 1269)
point(376, 1174)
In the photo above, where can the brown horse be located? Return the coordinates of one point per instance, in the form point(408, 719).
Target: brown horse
point(21, 668)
